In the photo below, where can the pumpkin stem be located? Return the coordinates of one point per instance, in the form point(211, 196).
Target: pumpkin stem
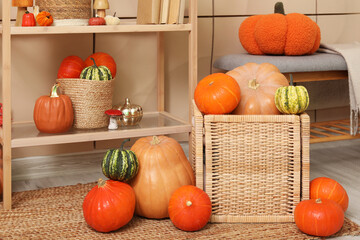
point(53, 93)
point(122, 145)
point(96, 66)
point(279, 8)
point(318, 200)
point(188, 203)
point(101, 182)
point(155, 140)
point(114, 14)
point(253, 84)
point(291, 80)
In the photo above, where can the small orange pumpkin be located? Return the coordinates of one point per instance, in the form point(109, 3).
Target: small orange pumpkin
point(319, 217)
point(189, 208)
point(54, 113)
point(327, 188)
point(258, 84)
point(217, 93)
point(278, 34)
point(44, 18)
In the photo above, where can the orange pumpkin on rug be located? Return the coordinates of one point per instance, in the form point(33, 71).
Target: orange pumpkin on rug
point(258, 84)
point(280, 34)
point(327, 188)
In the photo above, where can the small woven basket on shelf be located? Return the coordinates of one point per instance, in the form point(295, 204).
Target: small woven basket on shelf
point(90, 100)
point(67, 12)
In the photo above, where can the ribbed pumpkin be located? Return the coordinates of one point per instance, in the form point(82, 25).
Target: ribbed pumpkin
point(119, 164)
point(94, 72)
point(319, 217)
point(292, 99)
point(258, 84)
point(327, 188)
point(278, 34)
point(217, 93)
point(54, 113)
point(163, 169)
point(44, 18)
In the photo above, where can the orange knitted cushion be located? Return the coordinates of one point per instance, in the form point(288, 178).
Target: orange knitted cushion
point(279, 34)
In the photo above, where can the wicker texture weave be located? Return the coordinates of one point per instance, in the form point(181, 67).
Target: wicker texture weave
point(56, 213)
point(256, 166)
point(90, 100)
point(66, 9)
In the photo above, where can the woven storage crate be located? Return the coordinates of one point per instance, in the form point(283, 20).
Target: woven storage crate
point(256, 166)
point(67, 12)
point(90, 100)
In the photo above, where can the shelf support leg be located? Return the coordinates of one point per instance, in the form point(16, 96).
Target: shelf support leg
point(6, 92)
point(193, 61)
point(160, 72)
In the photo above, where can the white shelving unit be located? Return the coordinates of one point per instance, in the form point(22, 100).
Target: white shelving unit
point(14, 135)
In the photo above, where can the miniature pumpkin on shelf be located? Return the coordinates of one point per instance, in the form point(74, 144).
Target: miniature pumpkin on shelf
point(258, 84)
point(120, 164)
point(54, 113)
point(292, 99)
point(95, 72)
point(28, 20)
point(163, 168)
point(278, 34)
point(189, 208)
point(217, 93)
point(102, 59)
point(109, 205)
point(319, 217)
point(71, 67)
point(327, 188)
point(44, 18)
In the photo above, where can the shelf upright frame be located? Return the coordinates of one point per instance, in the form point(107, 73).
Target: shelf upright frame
point(6, 99)
point(193, 63)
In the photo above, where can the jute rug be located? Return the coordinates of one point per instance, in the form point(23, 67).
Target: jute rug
point(56, 213)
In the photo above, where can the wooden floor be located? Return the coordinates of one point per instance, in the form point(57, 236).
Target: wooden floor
point(339, 160)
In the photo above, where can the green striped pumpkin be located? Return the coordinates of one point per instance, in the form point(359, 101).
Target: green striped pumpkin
point(94, 72)
point(119, 164)
point(292, 99)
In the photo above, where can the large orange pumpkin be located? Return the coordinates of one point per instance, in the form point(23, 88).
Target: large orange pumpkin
point(327, 188)
point(109, 205)
point(278, 34)
point(258, 84)
point(217, 93)
point(163, 168)
point(54, 113)
point(319, 217)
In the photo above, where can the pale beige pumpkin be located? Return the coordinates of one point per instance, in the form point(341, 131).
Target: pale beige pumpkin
point(163, 168)
point(258, 84)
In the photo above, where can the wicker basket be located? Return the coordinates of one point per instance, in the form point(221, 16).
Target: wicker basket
point(66, 9)
point(256, 167)
point(90, 101)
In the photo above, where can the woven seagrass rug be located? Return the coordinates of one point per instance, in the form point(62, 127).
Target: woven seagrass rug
point(56, 213)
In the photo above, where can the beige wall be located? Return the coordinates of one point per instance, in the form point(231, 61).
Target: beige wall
point(36, 59)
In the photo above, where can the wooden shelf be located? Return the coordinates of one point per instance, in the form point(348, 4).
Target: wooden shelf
point(331, 131)
point(122, 28)
point(156, 123)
